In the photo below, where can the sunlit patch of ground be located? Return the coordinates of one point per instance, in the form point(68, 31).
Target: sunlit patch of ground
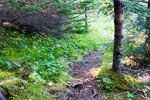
point(144, 78)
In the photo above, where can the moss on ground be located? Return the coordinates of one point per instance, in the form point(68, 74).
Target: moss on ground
point(15, 88)
point(113, 84)
point(5, 74)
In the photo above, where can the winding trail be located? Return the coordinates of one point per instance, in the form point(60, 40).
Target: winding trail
point(84, 73)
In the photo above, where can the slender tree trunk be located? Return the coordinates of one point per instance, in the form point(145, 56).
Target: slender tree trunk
point(86, 18)
point(147, 39)
point(118, 41)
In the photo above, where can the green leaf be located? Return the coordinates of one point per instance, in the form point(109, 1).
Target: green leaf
point(98, 85)
point(98, 80)
point(107, 87)
point(22, 87)
point(129, 95)
point(9, 65)
point(106, 80)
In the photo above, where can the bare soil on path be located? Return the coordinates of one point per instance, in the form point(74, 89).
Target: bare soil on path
point(84, 73)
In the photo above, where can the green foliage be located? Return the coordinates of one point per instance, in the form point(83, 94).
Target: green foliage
point(50, 69)
point(130, 6)
point(9, 65)
point(45, 59)
point(134, 44)
point(15, 3)
point(78, 13)
point(137, 8)
point(106, 7)
point(18, 5)
point(30, 8)
point(104, 80)
point(129, 95)
point(45, 56)
point(134, 27)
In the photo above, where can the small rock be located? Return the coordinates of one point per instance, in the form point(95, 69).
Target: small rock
point(1, 95)
point(77, 85)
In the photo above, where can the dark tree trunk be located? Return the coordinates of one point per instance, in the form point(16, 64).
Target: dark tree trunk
point(118, 37)
point(147, 41)
point(86, 19)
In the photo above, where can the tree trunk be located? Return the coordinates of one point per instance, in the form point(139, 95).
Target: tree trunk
point(147, 39)
point(86, 19)
point(118, 37)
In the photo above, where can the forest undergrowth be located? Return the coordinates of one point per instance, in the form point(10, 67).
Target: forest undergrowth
point(134, 83)
point(26, 60)
point(33, 66)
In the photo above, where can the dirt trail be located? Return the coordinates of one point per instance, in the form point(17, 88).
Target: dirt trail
point(84, 72)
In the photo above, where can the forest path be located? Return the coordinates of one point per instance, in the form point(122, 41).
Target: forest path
point(84, 72)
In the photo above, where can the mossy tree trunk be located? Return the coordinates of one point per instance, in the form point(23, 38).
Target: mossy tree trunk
point(147, 39)
point(118, 37)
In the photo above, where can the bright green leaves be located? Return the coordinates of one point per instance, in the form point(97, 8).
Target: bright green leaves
point(45, 56)
point(14, 3)
point(104, 81)
point(129, 95)
point(18, 5)
point(98, 85)
point(106, 7)
point(9, 65)
point(49, 69)
point(30, 8)
point(108, 87)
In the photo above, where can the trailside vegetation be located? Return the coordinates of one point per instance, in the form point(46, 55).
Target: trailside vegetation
point(43, 43)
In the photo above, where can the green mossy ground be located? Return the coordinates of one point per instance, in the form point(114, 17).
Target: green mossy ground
point(116, 86)
point(113, 85)
point(15, 88)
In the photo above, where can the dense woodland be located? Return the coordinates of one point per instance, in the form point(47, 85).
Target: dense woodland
point(74, 49)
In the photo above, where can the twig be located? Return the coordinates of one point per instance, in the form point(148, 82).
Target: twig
point(95, 93)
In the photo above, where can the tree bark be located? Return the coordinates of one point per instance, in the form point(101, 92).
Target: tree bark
point(86, 18)
point(118, 37)
point(147, 39)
